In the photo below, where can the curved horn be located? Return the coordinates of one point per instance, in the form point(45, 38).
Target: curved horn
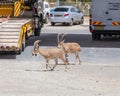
point(63, 36)
point(36, 42)
point(58, 37)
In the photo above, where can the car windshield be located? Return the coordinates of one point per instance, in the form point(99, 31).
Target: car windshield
point(61, 9)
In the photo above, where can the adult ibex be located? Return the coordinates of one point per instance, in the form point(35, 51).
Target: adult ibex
point(51, 53)
point(69, 47)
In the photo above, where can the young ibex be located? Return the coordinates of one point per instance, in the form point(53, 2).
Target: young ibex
point(69, 47)
point(53, 53)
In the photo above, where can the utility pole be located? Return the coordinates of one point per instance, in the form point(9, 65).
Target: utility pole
point(76, 1)
point(57, 3)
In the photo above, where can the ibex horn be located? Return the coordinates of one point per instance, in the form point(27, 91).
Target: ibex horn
point(59, 37)
point(36, 42)
point(63, 36)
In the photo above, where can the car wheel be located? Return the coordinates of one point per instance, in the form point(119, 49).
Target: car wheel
point(82, 20)
point(71, 23)
point(52, 24)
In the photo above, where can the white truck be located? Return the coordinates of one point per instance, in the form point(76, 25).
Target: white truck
point(104, 18)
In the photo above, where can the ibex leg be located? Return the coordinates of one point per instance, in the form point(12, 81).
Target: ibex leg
point(66, 57)
point(78, 57)
point(47, 64)
point(56, 63)
point(65, 62)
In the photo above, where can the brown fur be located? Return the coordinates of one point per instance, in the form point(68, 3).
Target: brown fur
point(69, 48)
point(48, 54)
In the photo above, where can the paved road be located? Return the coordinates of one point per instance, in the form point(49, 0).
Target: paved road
point(105, 51)
point(98, 75)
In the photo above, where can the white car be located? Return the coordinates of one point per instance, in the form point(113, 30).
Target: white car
point(46, 10)
point(66, 15)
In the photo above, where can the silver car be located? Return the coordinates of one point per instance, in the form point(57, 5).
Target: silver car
point(66, 15)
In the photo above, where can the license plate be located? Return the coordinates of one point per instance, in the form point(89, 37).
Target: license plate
point(58, 15)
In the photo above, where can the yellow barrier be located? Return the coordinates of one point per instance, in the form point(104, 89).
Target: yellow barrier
point(17, 9)
point(6, 11)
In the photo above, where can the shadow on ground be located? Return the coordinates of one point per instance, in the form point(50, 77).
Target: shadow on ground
point(84, 40)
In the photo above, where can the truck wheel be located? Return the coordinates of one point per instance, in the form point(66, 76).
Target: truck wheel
point(37, 31)
point(82, 20)
point(52, 24)
point(93, 36)
point(71, 23)
point(98, 37)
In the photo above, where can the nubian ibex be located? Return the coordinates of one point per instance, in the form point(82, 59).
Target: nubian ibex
point(69, 47)
point(48, 54)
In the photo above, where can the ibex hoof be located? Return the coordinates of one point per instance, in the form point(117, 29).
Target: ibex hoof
point(80, 63)
point(66, 69)
point(52, 69)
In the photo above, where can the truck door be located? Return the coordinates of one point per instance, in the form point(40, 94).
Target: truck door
point(98, 12)
point(113, 12)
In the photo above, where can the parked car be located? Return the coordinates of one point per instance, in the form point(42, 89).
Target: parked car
point(67, 15)
point(46, 11)
point(52, 9)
